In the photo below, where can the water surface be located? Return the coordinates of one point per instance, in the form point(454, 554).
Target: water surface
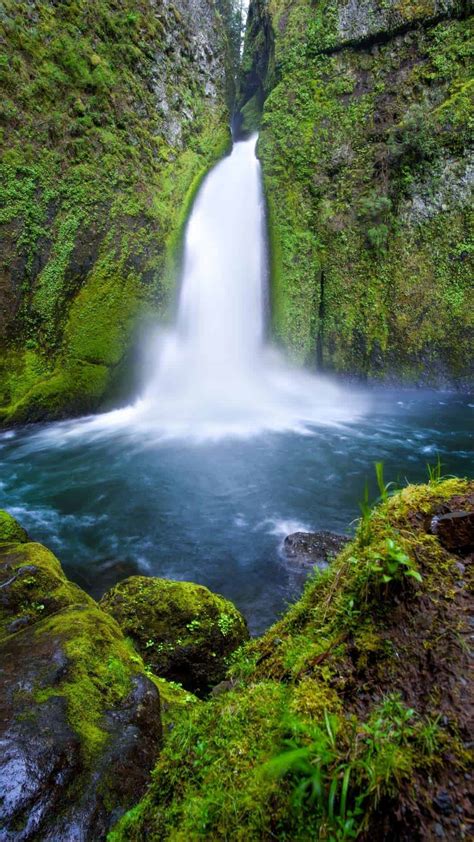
point(215, 512)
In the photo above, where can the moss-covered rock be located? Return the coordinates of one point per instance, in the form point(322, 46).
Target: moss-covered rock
point(79, 718)
point(367, 161)
point(10, 530)
point(349, 717)
point(110, 115)
point(33, 586)
point(182, 630)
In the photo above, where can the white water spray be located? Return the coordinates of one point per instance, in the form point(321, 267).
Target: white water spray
point(213, 375)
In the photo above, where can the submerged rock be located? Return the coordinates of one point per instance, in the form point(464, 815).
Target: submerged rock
point(182, 630)
point(307, 549)
point(79, 719)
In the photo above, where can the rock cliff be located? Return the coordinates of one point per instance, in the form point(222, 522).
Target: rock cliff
point(368, 168)
point(110, 114)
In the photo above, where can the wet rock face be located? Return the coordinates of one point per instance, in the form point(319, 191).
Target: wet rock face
point(48, 786)
point(182, 630)
point(455, 531)
point(358, 20)
point(80, 722)
point(192, 40)
point(309, 549)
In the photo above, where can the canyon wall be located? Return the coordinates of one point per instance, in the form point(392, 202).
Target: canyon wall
point(365, 146)
point(110, 114)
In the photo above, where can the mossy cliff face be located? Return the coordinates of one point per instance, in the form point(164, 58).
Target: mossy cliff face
point(368, 174)
point(79, 718)
point(110, 114)
point(349, 717)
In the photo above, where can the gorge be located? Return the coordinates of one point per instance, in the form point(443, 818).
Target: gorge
point(208, 338)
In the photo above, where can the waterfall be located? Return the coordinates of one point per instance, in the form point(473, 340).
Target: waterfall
point(207, 361)
point(213, 375)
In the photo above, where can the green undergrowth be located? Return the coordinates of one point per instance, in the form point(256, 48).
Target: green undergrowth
point(333, 717)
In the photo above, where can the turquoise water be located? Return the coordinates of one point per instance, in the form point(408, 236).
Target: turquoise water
point(216, 512)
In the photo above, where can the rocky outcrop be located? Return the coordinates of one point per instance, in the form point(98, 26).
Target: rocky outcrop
point(110, 114)
point(80, 720)
point(310, 549)
point(368, 170)
point(184, 632)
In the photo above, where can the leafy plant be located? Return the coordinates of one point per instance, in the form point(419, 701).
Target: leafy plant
point(193, 625)
point(393, 564)
point(434, 472)
point(366, 507)
point(385, 489)
point(320, 781)
point(225, 623)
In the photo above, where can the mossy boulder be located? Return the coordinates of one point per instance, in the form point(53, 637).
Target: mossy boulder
point(182, 630)
point(80, 720)
point(33, 586)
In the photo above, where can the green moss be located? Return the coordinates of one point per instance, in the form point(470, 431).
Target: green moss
point(251, 115)
point(174, 702)
point(182, 630)
point(37, 585)
point(218, 747)
point(365, 157)
point(100, 667)
point(10, 530)
point(95, 194)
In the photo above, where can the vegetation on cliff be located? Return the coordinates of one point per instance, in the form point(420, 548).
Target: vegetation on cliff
point(348, 718)
point(110, 115)
point(366, 151)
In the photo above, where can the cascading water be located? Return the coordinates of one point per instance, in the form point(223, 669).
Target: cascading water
point(213, 375)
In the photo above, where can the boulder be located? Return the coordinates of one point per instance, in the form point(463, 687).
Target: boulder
point(182, 630)
point(79, 719)
point(309, 549)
